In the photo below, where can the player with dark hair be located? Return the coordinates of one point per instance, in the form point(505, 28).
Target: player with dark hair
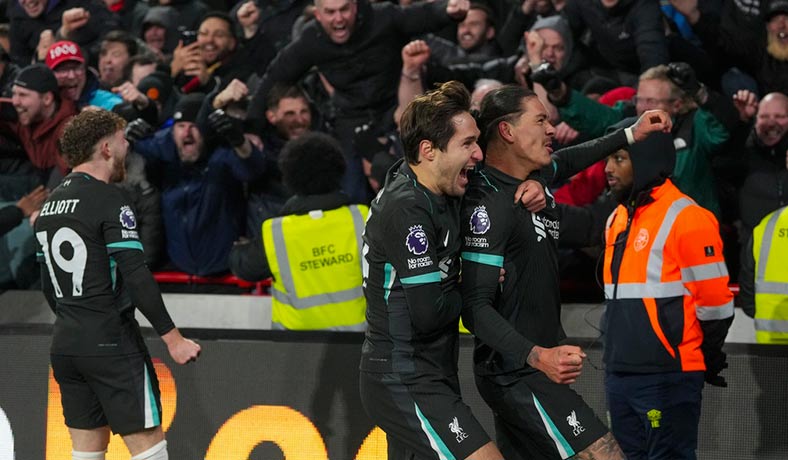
point(409, 384)
point(94, 276)
point(522, 368)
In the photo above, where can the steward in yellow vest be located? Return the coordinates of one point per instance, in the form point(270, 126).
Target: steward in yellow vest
point(313, 251)
point(764, 279)
point(315, 261)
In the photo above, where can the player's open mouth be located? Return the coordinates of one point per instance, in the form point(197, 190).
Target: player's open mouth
point(463, 178)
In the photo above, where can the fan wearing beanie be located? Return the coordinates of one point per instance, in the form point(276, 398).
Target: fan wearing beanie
point(40, 117)
point(202, 183)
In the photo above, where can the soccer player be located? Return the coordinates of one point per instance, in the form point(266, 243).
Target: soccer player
point(522, 370)
point(94, 276)
point(408, 382)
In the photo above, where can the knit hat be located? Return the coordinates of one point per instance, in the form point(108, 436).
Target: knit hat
point(37, 77)
point(776, 7)
point(61, 52)
point(157, 86)
point(188, 107)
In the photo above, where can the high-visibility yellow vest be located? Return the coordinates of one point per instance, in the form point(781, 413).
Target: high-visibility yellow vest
point(770, 249)
point(315, 260)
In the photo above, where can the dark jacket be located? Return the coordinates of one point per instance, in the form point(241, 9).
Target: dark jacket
point(746, 50)
point(629, 36)
point(765, 186)
point(247, 259)
point(365, 71)
point(10, 217)
point(202, 203)
point(25, 31)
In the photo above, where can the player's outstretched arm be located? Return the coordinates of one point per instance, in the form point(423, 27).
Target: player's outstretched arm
point(561, 364)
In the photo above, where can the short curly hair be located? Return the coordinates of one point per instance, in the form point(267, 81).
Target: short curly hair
point(312, 164)
point(83, 132)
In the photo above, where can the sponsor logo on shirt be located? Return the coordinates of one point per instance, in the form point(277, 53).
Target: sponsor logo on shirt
point(480, 220)
point(416, 241)
point(476, 242)
point(543, 226)
point(420, 262)
point(459, 433)
point(577, 428)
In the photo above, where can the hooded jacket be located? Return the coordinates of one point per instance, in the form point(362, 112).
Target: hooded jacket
point(666, 283)
point(166, 17)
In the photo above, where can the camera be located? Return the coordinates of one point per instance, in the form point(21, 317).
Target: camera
point(187, 36)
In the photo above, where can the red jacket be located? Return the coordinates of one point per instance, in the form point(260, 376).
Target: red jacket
point(40, 140)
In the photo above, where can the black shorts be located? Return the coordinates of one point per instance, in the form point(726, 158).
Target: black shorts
point(120, 391)
point(422, 421)
point(536, 418)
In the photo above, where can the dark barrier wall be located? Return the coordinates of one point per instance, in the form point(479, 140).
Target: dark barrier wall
point(263, 395)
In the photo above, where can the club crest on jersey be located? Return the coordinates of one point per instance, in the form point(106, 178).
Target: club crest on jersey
point(127, 219)
point(641, 240)
point(416, 240)
point(480, 220)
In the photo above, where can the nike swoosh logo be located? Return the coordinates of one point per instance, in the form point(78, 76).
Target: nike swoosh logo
point(446, 240)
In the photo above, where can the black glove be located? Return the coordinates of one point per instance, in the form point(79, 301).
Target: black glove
point(226, 127)
point(138, 129)
point(547, 76)
point(683, 75)
point(715, 363)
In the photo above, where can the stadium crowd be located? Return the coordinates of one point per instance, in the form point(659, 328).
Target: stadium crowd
point(213, 90)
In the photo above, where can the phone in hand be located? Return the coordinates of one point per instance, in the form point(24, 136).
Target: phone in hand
point(187, 36)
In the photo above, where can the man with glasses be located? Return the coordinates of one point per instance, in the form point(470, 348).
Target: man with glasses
point(702, 121)
point(76, 82)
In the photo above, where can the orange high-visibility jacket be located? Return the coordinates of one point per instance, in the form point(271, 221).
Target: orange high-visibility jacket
point(664, 274)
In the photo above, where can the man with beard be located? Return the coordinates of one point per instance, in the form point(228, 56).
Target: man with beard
point(201, 184)
point(214, 59)
point(764, 55)
point(668, 304)
point(94, 276)
point(41, 116)
point(355, 45)
point(522, 369)
point(289, 116)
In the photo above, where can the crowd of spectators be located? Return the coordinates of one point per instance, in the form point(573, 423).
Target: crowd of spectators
point(213, 91)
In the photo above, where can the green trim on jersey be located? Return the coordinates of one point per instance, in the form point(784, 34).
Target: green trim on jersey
point(388, 280)
point(113, 271)
point(486, 259)
point(126, 245)
point(433, 277)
